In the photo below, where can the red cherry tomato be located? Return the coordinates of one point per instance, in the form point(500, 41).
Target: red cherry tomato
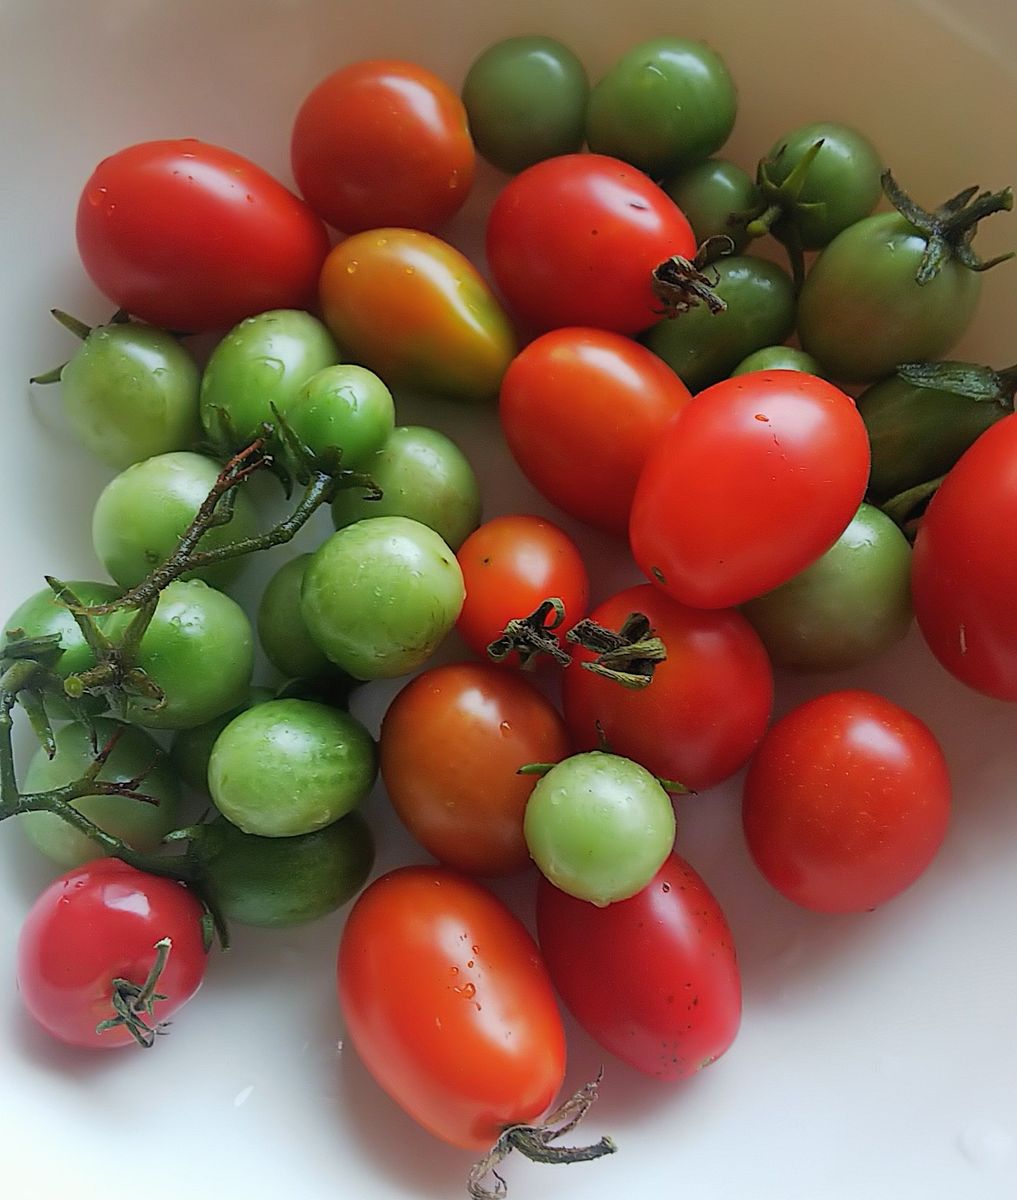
point(449, 1005)
point(581, 410)
point(383, 142)
point(574, 241)
point(193, 237)
point(846, 802)
point(756, 479)
point(654, 979)
point(706, 708)
point(99, 923)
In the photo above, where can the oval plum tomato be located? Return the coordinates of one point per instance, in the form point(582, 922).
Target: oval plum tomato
point(383, 142)
point(581, 410)
point(846, 803)
point(452, 743)
point(756, 479)
point(653, 979)
point(510, 566)
point(449, 1005)
point(193, 237)
point(95, 927)
point(706, 708)
point(964, 566)
point(574, 241)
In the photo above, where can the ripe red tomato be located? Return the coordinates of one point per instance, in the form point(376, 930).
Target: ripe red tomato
point(706, 708)
point(964, 567)
point(846, 802)
point(193, 237)
point(449, 1005)
point(96, 924)
point(451, 744)
point(600, 403)
point(756, 479)
point(383, 142)
point(654, 979)
point(574, 240)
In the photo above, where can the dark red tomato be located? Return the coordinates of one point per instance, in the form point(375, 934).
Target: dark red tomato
point(964, 567)
point(574, 240)
point(449, 1005)
point(581, 410)
point(452, 743)
point(96, 924)
point(846, 802)
point(653, 979)
point(756, 479)
point(383, 142)
point(193, 237)
point(704, 711)
point(510, 566)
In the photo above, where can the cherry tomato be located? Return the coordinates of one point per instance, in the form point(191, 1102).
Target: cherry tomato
point(756, 479)
point(600, 402)
point(162, 227)
point(449, 1005)
point(96, 924)
point(654, 979)
point(574, 240)
point(847, 802)
point(706, 708)
point(383, 142)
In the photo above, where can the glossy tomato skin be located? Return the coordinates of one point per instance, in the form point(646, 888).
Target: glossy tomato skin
point(756, 479)
point(708, 704)
point(190, 236)
point(449, 1005)
point(964, 566)
point(383, 142)
point(847, 802)
point(98, 923)
point(573, 241)
point(653, 979)
point(581, 410)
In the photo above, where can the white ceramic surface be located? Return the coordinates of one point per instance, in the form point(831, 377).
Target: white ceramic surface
point(878, 1055)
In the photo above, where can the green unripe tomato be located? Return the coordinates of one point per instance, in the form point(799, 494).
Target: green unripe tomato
point(191, 749)
point(288, 767)
point(380, 596)
point(284, 637)
point(713, 195)
point(778, 358)
point(142, 826)
point(344, 407)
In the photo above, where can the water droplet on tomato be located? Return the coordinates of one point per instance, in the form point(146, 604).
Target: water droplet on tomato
point(470, 963)
point(665, 887)
point(249, 198)
point(467, 991)
point(505, 728)
point(410, 270)
point(455, 970)
point(453, 179)
point(95, 196)
point(351, 267)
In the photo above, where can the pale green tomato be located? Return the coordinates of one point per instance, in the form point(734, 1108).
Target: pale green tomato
point(191, 749)
point(778, 358)
point(284, 637)
point(343, 407)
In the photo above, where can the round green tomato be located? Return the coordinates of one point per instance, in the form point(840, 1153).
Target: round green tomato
point(131, 391)
point(344, 407)
point(423, 475)
point(141, 515)
point(599, 827)
point(289, 767)
point(847, 607)
point(192, 748)
point(778, 358)
point(141, 825)
point(198, 648)
point(276, 882)
point(380, 596)
point(264, 360)
point(665, 104)
point(526, 101)
point(717, 197)
point(281, 630)
point(703, 347)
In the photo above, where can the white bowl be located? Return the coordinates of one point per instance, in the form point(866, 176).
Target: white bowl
point(878, 1054)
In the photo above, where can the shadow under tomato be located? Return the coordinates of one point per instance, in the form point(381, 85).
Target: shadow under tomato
point(35, 1046)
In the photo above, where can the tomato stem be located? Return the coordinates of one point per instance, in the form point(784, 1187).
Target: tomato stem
point(132, 1004)
point(679, 284)
point(533, 635)
point(78, 328)
point(902, 507)
point(628, 657)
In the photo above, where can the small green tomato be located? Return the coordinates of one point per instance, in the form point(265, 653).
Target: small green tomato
point(343, 407)
point(282, 632)
point(192, 748)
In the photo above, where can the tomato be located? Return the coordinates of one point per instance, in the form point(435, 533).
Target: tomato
point(162, 227)
point(600, 402)
point(574, 241)
point(470, 1041)
point(757, 477)
point(415, 311)
point(346, 408)
point(846, 803)
point(778, 358)
point(452, 743)
point(383, 142)
point(191, 748)
point(282, 631)
point(653, 979)
point(718, 198)
point(97, 924)
point(706, 707)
